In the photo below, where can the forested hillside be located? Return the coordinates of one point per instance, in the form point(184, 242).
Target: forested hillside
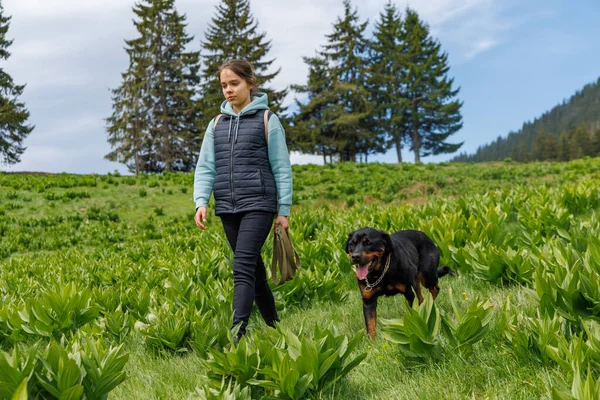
point(568, 131)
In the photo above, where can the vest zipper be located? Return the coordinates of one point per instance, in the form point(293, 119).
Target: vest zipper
point(231, 171)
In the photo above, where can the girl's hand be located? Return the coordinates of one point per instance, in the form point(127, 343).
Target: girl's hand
point(200, 218)
point(283, 221)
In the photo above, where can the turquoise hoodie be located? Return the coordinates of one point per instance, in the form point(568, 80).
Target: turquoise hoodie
point(279, 158)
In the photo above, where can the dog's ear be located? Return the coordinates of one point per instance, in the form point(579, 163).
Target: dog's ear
point(388, 242)
point(350, 235)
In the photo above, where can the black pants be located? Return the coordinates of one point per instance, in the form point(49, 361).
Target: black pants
point(247, 233)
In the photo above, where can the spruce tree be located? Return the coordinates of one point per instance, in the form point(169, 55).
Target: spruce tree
point(550, 148)
point(386, 77)
point(309, 134)
point(349, 114)
point(13, 113)
point(127, 126)
point(522, 153)
point(514, 156)
point(580, 142)
point(233, 35)
point(596, 143)
point(338, 100)
point(153, 125)
point(538, 147)
point(564, 146)
point(428, 106)
point(173, 97)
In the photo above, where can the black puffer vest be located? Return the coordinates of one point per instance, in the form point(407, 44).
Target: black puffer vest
point(244, 180)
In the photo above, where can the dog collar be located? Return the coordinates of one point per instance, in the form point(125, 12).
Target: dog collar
point(370, 286)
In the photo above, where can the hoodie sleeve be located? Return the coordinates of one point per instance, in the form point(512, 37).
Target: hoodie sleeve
point(204, 177)
point(279, 158)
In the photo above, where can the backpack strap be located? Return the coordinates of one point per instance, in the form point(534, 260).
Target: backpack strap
point(217, 120)
point(266, 117)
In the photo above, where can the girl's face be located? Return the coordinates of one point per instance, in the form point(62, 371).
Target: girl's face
point(235, 89)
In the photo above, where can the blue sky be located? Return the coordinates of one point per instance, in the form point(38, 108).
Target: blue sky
point(512, 59)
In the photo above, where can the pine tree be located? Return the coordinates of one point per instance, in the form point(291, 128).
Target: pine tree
point(428, 103)
point(538, 147)
point(387, 75)
point(522, 153)
point(153, 125)
point(550, 148)
point(127, 127)
point(564, 146)
point(13, 113)
point(233, 34)
point(308, 134)
point(514, 155)
point(349, 114)
point(581, 142)
point(172, 99)
point(596, 144)
point(339, 105)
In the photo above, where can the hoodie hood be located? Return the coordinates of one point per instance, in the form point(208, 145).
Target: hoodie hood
point(259, 101)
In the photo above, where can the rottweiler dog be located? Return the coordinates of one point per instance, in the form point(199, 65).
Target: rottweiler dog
point(391, 264)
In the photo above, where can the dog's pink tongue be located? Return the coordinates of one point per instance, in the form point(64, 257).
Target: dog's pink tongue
point(362, 272)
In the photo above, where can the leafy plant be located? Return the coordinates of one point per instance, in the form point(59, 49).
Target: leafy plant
point(541, 336)
point(417, 332)
point(104, 369)
point(59, 311)
point(61, 376)
point(118, 324)
point(310, 286)
point(227, 391)
point(297, 365)
point(239, 361)
point(16, 370)
point(570, 283)
point(210, 330)
point(472, 325)
point(166, 329)
point(580, 389)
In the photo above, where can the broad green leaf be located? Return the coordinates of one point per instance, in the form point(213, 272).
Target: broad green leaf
point(21, 392)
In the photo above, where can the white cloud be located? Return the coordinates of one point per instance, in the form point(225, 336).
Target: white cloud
point(480, 46)
point(467, 27)
point(51, 9)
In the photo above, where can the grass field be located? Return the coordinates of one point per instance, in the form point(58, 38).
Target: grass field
point(108, 287)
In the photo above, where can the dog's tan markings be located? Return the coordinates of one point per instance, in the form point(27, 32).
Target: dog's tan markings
point(419, 294)
point(400, 287)
point(421, 281)
point(374, 254)
point(367, 295)
point(371, 325)
point(435, 291)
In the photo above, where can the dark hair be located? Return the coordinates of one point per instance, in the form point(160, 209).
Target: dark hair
point(244, 70)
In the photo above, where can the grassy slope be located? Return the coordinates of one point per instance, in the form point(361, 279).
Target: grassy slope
point(491, 372)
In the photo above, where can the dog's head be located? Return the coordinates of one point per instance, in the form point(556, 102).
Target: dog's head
point(366, 248)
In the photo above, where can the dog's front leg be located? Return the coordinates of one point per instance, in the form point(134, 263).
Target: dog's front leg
point(370, 312)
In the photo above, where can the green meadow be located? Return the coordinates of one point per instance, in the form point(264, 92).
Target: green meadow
point(108, 288)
